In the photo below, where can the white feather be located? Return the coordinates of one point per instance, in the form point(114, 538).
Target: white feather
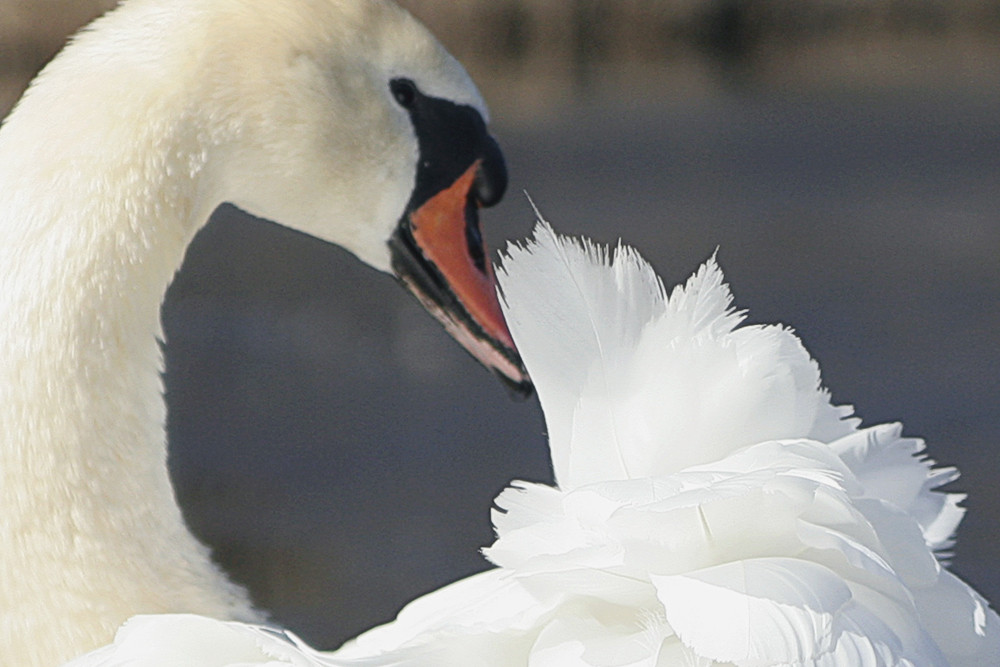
point(598, 320)
point(894, 469)
point(765, 610)
point(182, 640)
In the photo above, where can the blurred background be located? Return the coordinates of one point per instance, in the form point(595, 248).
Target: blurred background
point(339, 451)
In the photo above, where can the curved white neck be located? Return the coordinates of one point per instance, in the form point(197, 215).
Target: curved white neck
point(91, 232)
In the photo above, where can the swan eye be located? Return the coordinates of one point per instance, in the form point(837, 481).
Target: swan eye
point(405, 92)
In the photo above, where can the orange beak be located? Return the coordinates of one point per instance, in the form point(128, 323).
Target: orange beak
point(437, 250)
point(440, 256)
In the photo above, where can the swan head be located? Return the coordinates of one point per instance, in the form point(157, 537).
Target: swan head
point(353, 124)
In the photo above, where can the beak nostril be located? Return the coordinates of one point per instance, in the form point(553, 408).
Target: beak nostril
point(489, 186)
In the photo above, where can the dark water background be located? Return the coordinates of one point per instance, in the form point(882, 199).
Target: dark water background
point(341, 453)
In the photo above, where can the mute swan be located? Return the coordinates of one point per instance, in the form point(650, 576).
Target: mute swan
point(343, 119)
point(713, 507)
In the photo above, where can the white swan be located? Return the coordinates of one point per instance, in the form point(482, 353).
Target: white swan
point(344, 119)
point(713, 507)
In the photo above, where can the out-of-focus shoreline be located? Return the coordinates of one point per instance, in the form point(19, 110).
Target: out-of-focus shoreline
point(532, 58)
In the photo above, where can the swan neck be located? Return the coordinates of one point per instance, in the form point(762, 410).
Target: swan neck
point(93, 226)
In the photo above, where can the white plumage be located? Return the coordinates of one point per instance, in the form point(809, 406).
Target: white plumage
point(713, 506)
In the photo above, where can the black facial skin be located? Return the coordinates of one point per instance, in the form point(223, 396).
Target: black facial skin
point(450, 138)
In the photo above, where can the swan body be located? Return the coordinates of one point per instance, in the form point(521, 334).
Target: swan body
point(712, 506)
point(343, 119)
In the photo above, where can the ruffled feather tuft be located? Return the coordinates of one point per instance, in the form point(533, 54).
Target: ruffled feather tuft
point(634, 383)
